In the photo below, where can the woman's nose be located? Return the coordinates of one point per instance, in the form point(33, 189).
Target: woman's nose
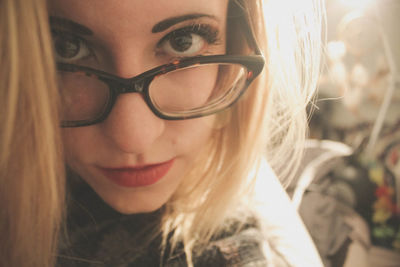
point(131, 125)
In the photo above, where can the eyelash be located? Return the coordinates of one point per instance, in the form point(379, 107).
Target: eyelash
point(207, 32)
point(81, 41)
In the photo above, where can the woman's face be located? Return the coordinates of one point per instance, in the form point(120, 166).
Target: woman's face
point(135, 160)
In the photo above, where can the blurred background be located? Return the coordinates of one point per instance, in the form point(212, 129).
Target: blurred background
point(348, 189)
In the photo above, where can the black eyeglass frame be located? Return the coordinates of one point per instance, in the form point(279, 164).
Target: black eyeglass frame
point(140, 83)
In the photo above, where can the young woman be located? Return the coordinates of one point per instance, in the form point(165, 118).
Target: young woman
point(166, 115)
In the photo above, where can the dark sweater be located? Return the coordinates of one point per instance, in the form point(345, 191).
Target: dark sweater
point(99, 236)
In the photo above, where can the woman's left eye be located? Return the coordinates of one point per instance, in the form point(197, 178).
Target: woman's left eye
point(188, 41)
point(185, 44)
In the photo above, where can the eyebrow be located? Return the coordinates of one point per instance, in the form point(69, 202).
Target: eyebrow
point(165, 24)
point(70, 25)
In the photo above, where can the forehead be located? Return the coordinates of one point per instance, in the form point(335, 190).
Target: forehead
point(125, 15)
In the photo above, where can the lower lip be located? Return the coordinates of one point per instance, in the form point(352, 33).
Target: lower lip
point(138, 177)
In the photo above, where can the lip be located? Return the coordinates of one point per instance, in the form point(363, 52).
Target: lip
point(138, 176)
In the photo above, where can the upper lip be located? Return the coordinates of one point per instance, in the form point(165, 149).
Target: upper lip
point(134, 167)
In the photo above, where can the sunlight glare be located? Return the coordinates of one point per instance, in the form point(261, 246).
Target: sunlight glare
point(357, 3)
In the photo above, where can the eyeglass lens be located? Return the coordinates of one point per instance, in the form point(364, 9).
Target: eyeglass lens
point(187, 90)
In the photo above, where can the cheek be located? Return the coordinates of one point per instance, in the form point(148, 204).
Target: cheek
point(189, 136)
point(180, 138)
point(78, 144)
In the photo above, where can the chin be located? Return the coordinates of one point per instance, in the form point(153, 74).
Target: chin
point(137, 202)
point(134, 209)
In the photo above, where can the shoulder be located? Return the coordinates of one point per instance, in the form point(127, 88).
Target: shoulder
point(243, 248)
point(281, 224)
point(239, 245)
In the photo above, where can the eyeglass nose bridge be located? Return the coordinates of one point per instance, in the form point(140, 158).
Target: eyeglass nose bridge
point(130, 86)
point(134, 85)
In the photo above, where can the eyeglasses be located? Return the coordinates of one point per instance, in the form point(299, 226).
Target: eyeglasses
point(184, 89)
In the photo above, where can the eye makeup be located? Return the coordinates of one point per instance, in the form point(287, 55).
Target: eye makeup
point(189, 35)
point(69, 47)
point(190, 40)
point(207, 32)
point(167, 23)
point(69, 39)
point(66, 24)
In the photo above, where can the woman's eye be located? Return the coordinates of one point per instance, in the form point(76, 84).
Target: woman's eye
point(184, 45)
point(189, 41)
point(69, 48)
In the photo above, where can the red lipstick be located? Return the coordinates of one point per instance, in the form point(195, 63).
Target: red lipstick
point(138, 176)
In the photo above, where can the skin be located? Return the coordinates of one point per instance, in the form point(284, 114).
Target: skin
point(132, 135)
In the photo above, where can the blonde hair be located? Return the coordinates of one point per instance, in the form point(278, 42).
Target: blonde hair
point(31, 169)
point(270, 121)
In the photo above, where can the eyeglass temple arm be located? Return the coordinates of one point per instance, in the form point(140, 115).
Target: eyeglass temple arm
point(237, 10)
